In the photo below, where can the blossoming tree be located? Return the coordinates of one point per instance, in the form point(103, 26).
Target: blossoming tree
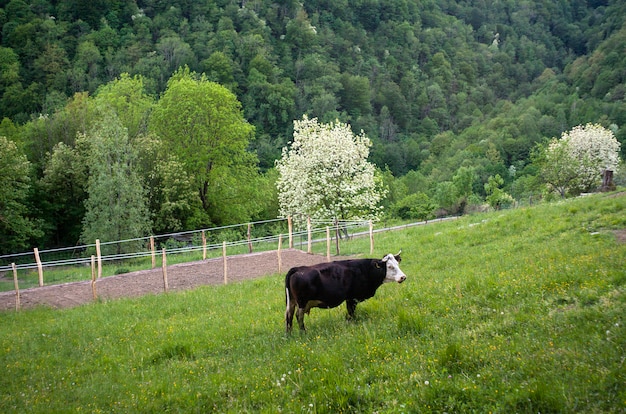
point(576, 162)
point(325, 174)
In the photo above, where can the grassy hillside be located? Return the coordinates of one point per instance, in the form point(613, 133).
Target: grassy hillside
point(513, 311)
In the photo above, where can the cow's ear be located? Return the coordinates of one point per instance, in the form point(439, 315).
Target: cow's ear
point(377, 264)
point(398, 258)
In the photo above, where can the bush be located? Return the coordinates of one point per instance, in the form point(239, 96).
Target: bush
point(415, 206)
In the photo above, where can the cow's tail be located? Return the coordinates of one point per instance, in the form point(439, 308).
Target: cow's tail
point(287, 283)
point(289, 310)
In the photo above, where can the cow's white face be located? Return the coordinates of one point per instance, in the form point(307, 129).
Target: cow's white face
point(394, 273)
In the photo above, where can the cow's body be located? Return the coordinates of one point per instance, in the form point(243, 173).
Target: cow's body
point(328, 285)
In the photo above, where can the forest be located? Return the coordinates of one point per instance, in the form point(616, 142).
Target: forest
point(123, 118)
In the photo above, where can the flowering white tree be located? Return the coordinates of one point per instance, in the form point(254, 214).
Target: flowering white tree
point(576, 162)
point(325, 173)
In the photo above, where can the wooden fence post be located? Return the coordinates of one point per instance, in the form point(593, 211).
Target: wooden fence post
point(280, 244)
point(153, 251)
point(165, 285)
point(39, 266)
point(249, 238)
point(327, 244)
point(225, 263)
point(371, 237)
point(99, 256)
point(17, 288)
point(203, 245)
point(290, 227)
point(308, 230)
point(93, 277)
point(337, 235)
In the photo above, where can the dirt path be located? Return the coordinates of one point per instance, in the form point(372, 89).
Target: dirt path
point(180, 277)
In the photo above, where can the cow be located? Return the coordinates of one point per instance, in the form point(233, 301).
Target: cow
point(328, 285)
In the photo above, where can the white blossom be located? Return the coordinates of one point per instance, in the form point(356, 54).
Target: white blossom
point(325, 174)
point(576, 161)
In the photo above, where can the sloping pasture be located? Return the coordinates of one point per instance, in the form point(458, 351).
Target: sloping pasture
point(512, 311)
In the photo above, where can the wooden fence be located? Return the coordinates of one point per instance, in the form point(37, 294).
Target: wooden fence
point(95, 261)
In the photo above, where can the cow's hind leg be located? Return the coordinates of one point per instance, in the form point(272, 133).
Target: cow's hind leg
point(300, 316)
point(289, 311)
point(351, 307)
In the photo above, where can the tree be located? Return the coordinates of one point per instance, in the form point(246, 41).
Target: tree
point(446, 196)
point(202, 123)
point(416, 206)
point(172, 200)
point(575, 163)
point(464, 182)
point(64, 191)
point(16, 228)
point(496, 197)
point(596, 150)
point(325, 174)
point(116, 208)
point(557, 168)
point(126, 96)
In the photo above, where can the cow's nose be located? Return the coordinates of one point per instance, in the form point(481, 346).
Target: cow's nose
point(402, 279)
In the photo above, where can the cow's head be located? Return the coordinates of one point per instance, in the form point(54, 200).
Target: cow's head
point(394, 273)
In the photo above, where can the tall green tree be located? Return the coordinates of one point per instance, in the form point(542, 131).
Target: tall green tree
point(116, 208)
point(64, 191)
point(127, 97)
point(16, 228)
point(202, 123)
point(172, 200)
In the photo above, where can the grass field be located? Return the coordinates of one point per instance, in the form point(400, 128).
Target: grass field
point(512, 311)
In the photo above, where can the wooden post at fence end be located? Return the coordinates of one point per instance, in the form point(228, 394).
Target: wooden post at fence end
point(337, 236)
point(152, 251)
point(165, 284)
point(327, 244)
point(280, 259)
point(308, 231)
point(225, 263)
point(203, 245)
point(39, 266)
point(290, 228)
point(249, 238)
point(371, 237)
point(17, 288)
point(93, 277)
point(99, 256)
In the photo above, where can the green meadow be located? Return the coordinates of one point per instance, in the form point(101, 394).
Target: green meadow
point(515, 311)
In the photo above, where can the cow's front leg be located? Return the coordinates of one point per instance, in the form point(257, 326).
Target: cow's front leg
point(351, 306)
point(300, 316)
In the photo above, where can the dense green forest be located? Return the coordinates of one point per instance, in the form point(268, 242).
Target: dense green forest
point(97, 99)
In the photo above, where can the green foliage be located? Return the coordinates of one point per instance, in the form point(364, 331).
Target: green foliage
point(64, 188)
point(173, 203)
point(446, 196)
point(16, 227)
point(515, 323)
point(416, 206)
point(127, 98)
point(437, 86)
point(116, 206)
point(202, 124)
point(496, 197)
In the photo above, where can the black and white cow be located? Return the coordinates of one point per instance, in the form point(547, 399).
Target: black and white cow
point(328, 285)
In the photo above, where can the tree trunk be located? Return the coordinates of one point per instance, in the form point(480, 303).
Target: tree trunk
point(607, 181)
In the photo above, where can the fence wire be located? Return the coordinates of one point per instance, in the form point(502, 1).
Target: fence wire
point(264, 235)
